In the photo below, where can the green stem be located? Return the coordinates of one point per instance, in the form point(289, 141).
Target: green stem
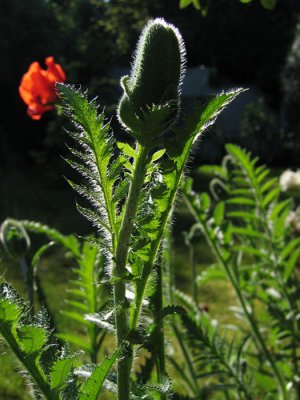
point(168, 256)
point(44, 303)
point(178, 165)
point(28, 279)
point(256, 333)
point(158, 334)
point(93, 343)
point(193, 268)
point(154, 250)
point(121, 308)
point(100, 341)
point(195, 388)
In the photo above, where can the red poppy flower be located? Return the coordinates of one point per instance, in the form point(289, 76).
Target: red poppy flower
point(37, 88)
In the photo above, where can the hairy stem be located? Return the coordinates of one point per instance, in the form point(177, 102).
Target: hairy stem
point(28, 279)
point(168, 257)
point(92, 328)
point(154, 250)
point(121, 307)
point(159, 336)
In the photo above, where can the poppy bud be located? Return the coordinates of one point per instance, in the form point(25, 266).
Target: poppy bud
point(151, 99)
point(14, 238)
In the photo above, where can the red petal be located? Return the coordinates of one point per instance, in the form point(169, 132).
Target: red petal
point(55, 72)
point(36, 111)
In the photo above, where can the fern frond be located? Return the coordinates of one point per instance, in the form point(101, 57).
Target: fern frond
point(89, 297)
point(215, 360)
point(251, 243)
point(70, 242)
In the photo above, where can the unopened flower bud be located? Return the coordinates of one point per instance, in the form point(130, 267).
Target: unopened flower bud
point(151, 99)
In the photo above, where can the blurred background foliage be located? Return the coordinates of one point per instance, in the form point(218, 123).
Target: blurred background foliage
point(245, 43)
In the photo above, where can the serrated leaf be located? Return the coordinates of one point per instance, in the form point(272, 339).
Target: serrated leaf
point(9, 312)
point(97, 141)
point(121, 190)
point(92, 386)
point(127, 149)
point(32, 338)
point(60, 372)
point(171, 310)
point(32, 343)
point(94, 217)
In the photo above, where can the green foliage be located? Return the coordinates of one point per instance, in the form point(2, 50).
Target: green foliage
point(251, 242)
point(44, 358)
point(94, 383)
point(95, 164)
point(47, 360)
point(199, 5)
point(87, 297)
point(131, 194)
point(267, 4)
point(218, 364)
point(69, 242)
point(131, 218)
point(290, 87)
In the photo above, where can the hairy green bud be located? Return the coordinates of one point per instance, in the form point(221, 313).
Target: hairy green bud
point(14, 238)
point(151, 99)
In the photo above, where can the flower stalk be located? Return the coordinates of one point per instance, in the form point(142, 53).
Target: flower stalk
point(121, 305)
